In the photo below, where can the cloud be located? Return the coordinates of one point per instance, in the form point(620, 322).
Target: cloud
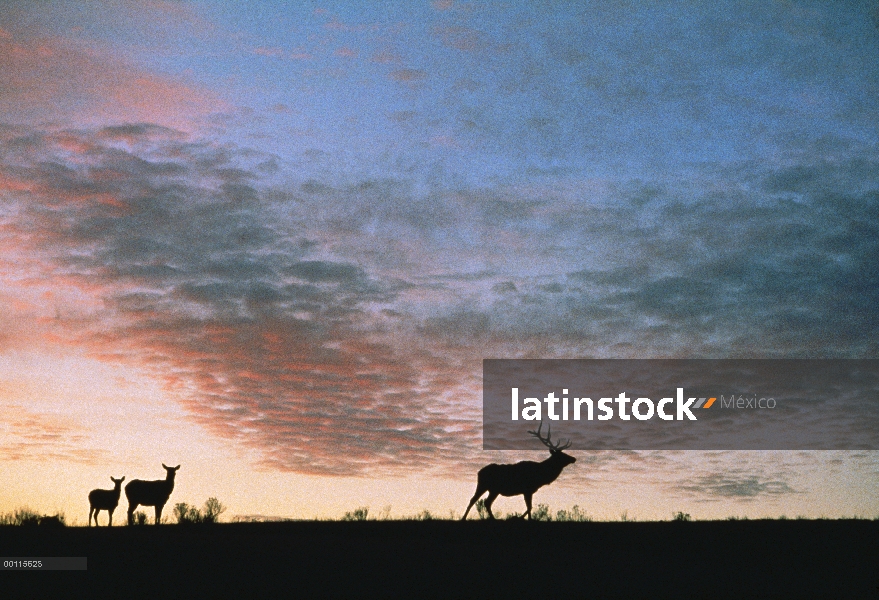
point(266, 51)
point(408, 75)
point(386, 57)
point(736, 486)
point(346, 52)
point(339, 329)
point(467, 39)
point(29, 435)
point(49, 79)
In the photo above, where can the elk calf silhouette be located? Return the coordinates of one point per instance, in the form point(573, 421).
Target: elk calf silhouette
point(524, 477)
point(150, 493)
point(105, 500)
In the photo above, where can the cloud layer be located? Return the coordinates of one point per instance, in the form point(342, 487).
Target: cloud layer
point(341, 330)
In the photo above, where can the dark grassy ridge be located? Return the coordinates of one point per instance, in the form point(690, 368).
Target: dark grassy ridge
point(735, 559)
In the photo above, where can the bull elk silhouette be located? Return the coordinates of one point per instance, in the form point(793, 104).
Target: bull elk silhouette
point(150, 493)
point(524, 477)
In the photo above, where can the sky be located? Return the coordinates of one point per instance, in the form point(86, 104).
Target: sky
point(273, 242)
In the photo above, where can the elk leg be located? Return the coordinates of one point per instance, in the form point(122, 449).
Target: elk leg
point(110, 524)
point(131, 509)
point(91, 510)
point(488, 501)
point(479, 491)
point(528, 506)
point(158, 514)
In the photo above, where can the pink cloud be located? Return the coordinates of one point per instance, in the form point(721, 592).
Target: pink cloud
point(467, 39)
point(35, 436)
point(346, 52)
point(47, 79)
point(336, 25)
point(386, 57)
point(460, 38)
point(445, 141)
point(408, 75)
point(263, 51)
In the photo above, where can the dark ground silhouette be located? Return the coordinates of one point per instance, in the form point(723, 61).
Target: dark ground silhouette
point(476, 559)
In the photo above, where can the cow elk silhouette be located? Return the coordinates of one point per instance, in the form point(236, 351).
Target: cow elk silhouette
point(150, 493)
point(105, 500)
point(524, 477)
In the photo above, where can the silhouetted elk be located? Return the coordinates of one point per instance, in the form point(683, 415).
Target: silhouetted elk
point(524, 477)
point(150, 493)
point(105, 500)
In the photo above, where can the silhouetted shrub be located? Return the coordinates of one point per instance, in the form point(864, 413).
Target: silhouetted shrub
point(140, 518)
point(575, 514)
point(212, 510)
point(682, 516)
point(425, 515)
point(480, 509)
point(359, 514)
point(541, 513)
point(29, 518)
point(56, 520)
point(186, 514)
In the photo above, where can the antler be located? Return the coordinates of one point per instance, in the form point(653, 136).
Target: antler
point(547, 441)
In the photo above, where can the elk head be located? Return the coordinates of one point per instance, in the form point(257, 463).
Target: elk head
point(555, 450)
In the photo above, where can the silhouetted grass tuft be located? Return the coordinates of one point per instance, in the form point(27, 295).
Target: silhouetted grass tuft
point(541, 513)
point(25, 517)
point(575, 514)
point(359, 514)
